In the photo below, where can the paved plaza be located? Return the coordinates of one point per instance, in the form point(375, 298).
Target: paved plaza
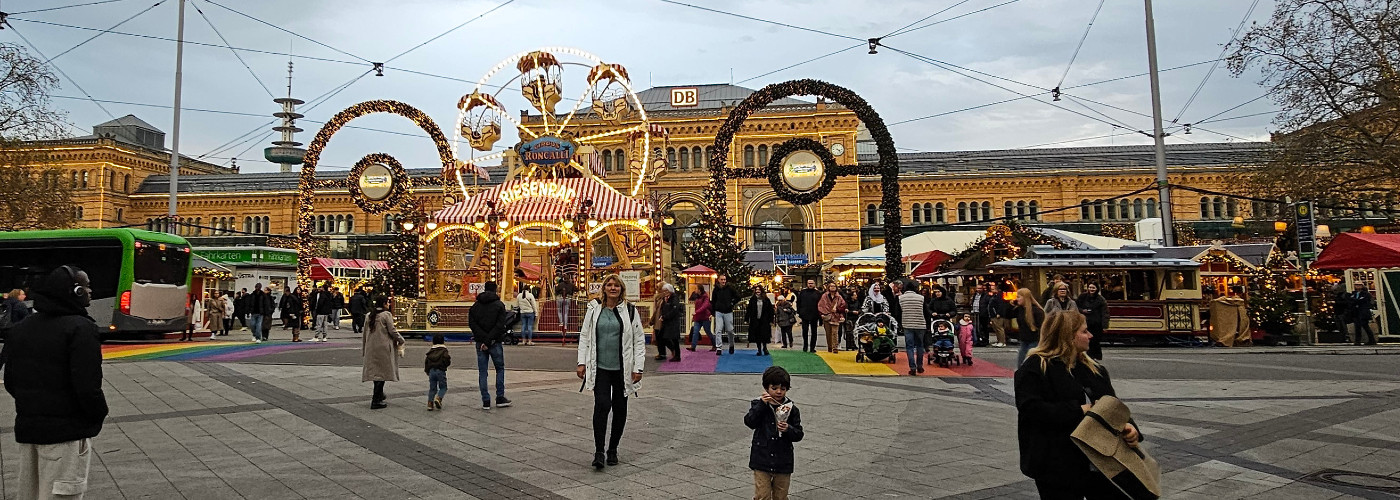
point(294, 422)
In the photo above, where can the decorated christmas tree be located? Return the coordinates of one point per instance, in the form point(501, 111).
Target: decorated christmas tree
point(1271, 305)
point(713, 245)
point(401, 279)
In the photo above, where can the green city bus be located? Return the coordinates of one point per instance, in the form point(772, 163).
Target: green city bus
point(140, 279)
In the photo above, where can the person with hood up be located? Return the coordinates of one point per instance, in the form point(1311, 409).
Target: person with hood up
point(759, 316)
point(486, 319)
point(55, 376)
point(359, 307)
point(1229, 321)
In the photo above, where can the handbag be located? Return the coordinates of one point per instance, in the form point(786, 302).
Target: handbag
point(1129, 468)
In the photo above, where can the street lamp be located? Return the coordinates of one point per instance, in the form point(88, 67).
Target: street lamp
point(1280, 226)
point(432, 225)
point(408, 225)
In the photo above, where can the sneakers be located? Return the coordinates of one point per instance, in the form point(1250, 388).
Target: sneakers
point(486, 405)
point(998, 344)
point(502, 402)
point(377, 405)
point(921, 369)
point(431, 407)
point(437, 402)
point(612, 457)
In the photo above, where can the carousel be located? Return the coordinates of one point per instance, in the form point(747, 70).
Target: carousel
point(554, 225)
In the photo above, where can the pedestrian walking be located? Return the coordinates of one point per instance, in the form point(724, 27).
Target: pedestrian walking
point(293, 303)
point(848, 327)
point(776, 424)
point(359, 307)
point(831, 311)
point(1051, 290)
point(1029, 315)
point(700, 320)
point(260, 308)
point(487, 320)
point(322, 306)
point(981, 305)
point(914, 319)
point(435, 364)
point(12, 311)
point(786, 316)
point(54, 374)
point(1360, 304)
point(1001, 316)
point(253, 309)
point(337, 305)
point(808, 310)
point(240, 308)
point(529, 307)
point(611, 359)
point(381, 346)
point(940, 306)
point(215, 311)
point(722, 302)
point(759, 316)
point(672, 321)
point(1060, 300)
point(1056, 386)
point(966, 330)
point(1094, 307)
point(229, 306)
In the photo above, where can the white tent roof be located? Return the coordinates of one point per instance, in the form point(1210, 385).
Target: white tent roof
point(952, 242)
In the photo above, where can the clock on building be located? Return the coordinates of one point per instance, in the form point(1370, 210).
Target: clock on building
point(838, 149)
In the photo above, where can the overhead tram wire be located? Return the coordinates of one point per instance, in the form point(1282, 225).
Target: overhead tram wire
point(1232, 108)
point(1251, 115)
point(959, 16)
point(64, 74)
point(188, 42)
point(63, 7)
point(232, 113)
point(925, 18)
point(231, 143)
point(108, 30)
point(287, 31)
point(230, 48)
point(1223, 50)
point(445, 33)
point(785, 68)
point(1056, 90)
point(761, 20)
point(311, 106)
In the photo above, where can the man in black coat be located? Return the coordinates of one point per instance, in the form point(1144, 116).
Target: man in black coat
point(1359, 306)
point(322, 304)
point(981, 305)
point(486, 318)
point(359, 307)
point(55, 375)
point(240, 307)
point(807, 301)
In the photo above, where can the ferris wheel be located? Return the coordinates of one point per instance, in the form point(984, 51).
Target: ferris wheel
point(550, 132)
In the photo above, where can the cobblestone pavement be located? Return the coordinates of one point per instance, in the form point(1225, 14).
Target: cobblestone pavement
point(212, 430)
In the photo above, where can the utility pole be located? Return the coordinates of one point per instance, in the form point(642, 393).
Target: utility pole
point(175, 133)
point(1163, 188)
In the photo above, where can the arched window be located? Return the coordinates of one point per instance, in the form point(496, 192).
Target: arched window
point(914, 214)
point(671, 158)
point(872, 215)
point(126, 183)
point(1084, 210)
point(320, 223)
point(1098, 211)
point(1151, 208)
point(389, 224)
point(1219, 207)
point(938, 213)
point(762, 155)
point(1034, 208)
point(619, 161)
point(786, 236)
point(1205, 207)
point(748, 156)
point(928, 214)
point(339, 224)
point(1137, 208)
point(698, 159)
point(247, 224)
point(962, 211)
point(349, 223)
point(119, 215)
point(685, 159)
point(705, 165)
point(1021, 210)
point(1123, 210)
point(986, 210)
point(85, 179)
point(607, 160)
point(79, 211)
point(1231, 208)
point(1010, 209)
point(198, 223)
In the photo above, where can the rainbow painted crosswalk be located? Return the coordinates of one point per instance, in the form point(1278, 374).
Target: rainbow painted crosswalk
point(805, 363)
point(201, 351)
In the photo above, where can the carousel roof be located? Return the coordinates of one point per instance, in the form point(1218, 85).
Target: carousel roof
point(526, 200)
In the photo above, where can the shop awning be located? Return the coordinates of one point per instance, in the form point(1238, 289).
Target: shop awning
point(1360, 251)
point(698, 271)
point(546, 200)
point(929, 263)
point(328, 263)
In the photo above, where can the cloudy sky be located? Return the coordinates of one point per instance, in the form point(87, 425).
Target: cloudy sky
point(1016, 48)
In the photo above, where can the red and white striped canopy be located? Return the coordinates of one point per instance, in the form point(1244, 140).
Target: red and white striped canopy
point(546, 200)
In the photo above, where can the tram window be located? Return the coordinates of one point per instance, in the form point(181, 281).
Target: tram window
point(1142, 285)
point(1181, 280)
point(1114, 287)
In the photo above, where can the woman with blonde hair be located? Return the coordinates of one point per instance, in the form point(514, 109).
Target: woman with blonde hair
point(1055, 386)
point(1028, 315)
point(611, 357)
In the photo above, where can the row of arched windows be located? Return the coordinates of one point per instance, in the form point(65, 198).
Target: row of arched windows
point(335, 224)
point(1119, 210)
point(1219, 208)
point(691, 158)
point(1022, 210)
point(936, 213)
point(927, 213)
point(614, 160)
point(84, 179)
point(974, 211)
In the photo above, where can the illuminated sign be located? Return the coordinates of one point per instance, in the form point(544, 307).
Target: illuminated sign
point(684, 98)
point(803, 171)
point(538, 191)
point(376, 182)
point(546, 151)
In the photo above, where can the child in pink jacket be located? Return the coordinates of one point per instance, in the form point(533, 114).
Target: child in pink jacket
point(965, 336)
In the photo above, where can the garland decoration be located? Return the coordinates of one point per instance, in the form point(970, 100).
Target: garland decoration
point(1003, 242)
point(398, 184)
point(780, 185)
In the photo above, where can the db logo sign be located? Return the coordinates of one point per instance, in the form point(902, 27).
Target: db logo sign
point(681, 98)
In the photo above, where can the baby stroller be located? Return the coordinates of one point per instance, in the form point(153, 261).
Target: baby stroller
point(875, 335)
point(940, 349)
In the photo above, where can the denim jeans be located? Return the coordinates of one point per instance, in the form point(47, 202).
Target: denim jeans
point(255, 325)
point(497, 356)
point(527, 327)
point(724, 322)
point(695, 328)
point(1021, 353)
point(914, 346)
point(437, 384)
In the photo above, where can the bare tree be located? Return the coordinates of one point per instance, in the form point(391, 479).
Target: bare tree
point(33, 195)
point(1330, 66)
point(25, 84)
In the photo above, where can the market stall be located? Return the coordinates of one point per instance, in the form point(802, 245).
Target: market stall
point(1372, 260)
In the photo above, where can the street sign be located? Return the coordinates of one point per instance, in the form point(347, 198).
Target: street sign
point(1307, 243)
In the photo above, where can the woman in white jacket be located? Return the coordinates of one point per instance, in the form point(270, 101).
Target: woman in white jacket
point(525, 300)
point(611, 358)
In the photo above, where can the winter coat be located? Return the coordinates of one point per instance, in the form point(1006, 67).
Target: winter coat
point(437, 358)
point(338, 301)
point(809, 304)
point(1095, 310)
point(723, 298)
point(261, 303)
point(1001, 308)
point(768, 451)
point(1028, 332)
point(759, 316)
point(229, 306)
point(702, 307)
point(634, 351)
point(1048, 410)
point(322, 303)
point(214, 312)
point(785, 315)
point(292, 307)
point(359, 304)
point(1229, 321)
point(1055, 305)
point(672, 318)
point(54, 368)
point(913, 315)
point(379, 348)
point(832, 308)
point(486, 318)
point(942, 307)
point(18, 311)
point(1360, 305)
point(240, 305)
point(526, 302)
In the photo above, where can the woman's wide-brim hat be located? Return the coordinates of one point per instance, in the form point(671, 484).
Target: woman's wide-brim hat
point(1099, 436)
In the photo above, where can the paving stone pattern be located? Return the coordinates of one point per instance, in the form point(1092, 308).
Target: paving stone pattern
point(272, 431)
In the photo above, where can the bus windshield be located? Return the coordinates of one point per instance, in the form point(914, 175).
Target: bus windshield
point(152, 265)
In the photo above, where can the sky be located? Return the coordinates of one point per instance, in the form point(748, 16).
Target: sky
point(969, 54)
